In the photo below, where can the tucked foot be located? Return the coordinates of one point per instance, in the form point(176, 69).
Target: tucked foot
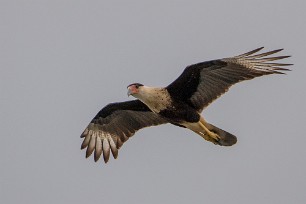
point(214, 138)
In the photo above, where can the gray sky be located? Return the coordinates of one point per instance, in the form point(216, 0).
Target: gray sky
point(62, 61)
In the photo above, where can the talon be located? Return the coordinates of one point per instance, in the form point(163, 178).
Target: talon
point(215, 136)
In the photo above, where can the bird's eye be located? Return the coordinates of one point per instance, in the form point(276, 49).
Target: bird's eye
point(137, 86)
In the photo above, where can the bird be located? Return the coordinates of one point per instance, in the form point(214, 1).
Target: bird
point(180, 103)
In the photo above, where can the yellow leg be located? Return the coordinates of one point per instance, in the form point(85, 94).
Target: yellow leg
point(206, 137)
point(213, 135)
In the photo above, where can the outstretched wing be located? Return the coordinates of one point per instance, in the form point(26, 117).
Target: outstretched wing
point(114, 124)
point(202, 83)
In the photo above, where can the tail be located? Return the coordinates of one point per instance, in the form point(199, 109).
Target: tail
point(226, 138)
point(212, 133)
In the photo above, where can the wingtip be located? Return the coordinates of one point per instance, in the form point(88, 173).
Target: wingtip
point(83, 145)
point(106, 159)
point(85, 142)
point(285, 56)
point(278, 71)
point(251, 52)
point(87, 155)
point(96, 158)
point(88, 152)
point(278, 50)
point(115, 156)
point(258, 49)
point(84, 133)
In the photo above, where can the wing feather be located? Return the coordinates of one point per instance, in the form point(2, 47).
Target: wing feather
point(113, 126)
point(113, 148)
point(106, 150)
point(91, 145)
point(86, 139)
point(98, 149)
point(202, 83)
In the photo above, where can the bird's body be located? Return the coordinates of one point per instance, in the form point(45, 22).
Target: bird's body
point(180, 103)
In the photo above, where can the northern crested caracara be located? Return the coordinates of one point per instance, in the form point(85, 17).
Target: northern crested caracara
point(180, 103)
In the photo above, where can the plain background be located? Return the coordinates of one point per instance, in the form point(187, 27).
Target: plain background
point(62, 61)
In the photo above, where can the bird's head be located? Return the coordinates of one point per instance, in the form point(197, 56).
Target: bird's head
point(133, 89)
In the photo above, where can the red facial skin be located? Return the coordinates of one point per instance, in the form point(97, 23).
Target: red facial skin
point(133, 89)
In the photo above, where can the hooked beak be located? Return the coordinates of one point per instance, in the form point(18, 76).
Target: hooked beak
point(129, 91)
point(132, 90)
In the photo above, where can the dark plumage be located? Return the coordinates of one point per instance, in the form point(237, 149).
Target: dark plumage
point(180, 103)
point(114, 124)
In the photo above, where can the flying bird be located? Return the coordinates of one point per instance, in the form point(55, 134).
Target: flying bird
point(180, 103)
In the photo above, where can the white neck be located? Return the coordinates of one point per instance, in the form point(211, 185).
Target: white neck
point(155, 98)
